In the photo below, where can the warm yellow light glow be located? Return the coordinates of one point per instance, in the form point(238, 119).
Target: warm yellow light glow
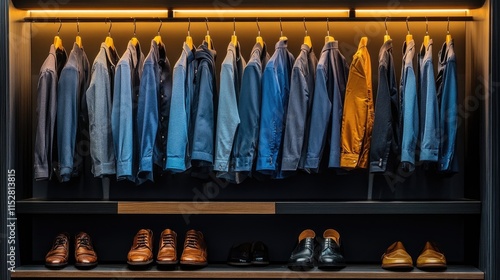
point(411, 12)
point(260, 13)
point(89, 13)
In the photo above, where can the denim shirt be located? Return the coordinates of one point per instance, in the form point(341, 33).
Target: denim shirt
point(45, 150)
point(298, 116)
point(358, 115)
point(153, 111)
point(327, 107)
point(71, 126)
point(249, 103)
point(205, 108)
point(447, 91)
point(409, 108)
point(124, 111)
point(275, 92)
point(227, 114)
point(179, 121)
point(385, 138)
point(429, 114)
point(99, 98)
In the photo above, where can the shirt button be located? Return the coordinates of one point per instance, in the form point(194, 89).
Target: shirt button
point(163, 137)
point(162, 96)
point(161, 81)
point(162, 118)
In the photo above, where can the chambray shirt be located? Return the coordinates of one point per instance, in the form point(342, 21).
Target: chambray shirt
point(385, 138)
point(298, 116)
point(124, 111)
point(327, 107)
point(275, 92)
point(428, 143)
point(46, 114)
point(99, 98)
point(153, 110)
point(447, 91)
point(179, 122)
point(228, 118)
point(409, 108)
point(71, 122)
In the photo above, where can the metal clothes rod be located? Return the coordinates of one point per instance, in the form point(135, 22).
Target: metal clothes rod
point(242, 19)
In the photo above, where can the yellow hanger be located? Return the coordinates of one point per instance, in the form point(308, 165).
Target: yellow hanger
point(426, 37)
point(282, 38)
point(259, 38)
point(109, 41)
point(57, 40)
point(189, 39)
point(448, 35)
point(207, 37)
point(134, 39)
point(157, 38)
point(409, 37)
point(328, 38)
point(78, 39)
point(234, 38)
point(307, 38)
point(386, 36)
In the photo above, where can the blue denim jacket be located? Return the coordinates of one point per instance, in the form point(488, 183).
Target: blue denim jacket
point(385, 138)
point(46, 113)
point(153, 111)
point(447, 91)
point(99, 104)
point(124, 111)
point(227, 114)
point(298, 116)
point(429, 115)
point(409, 108)
point(179, 122)
point(275, 92)
point(249, 104)
point(327, 107)
point(73, 83)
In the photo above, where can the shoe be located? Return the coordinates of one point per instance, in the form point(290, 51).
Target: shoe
point(302, 257)
point(57, 257)
point(259, 254)
point(240, 255)
point(85, 256)
point(431, 258)
point(167, 250)
point(141, 252)
point(194, 254)
point(396, 258)
point(330, 255)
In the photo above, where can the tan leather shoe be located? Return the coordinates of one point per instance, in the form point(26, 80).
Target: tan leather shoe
point(431, 258)
point(141, 252)
point(396, 258)
point(195, 250)
point(167, 250)
point(57, 257)
point(85, 255)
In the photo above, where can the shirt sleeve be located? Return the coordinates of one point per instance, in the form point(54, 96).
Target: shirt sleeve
point(410, 119)
point(429, 141)
point(448, 118)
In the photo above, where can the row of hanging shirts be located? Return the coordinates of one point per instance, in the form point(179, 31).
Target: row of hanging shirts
point(142, 117)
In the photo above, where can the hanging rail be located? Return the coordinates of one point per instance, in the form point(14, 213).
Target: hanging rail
point(242, 19)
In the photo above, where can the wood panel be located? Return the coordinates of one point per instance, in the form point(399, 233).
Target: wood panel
point(196, 207)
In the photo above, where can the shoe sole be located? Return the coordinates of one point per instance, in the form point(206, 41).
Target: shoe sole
point(56, 265)
point(301, 266)
point(432, 267)
point(167, 262)
point(259, 263)
point(398, 267)
point(139, 263)
point(193, 264)
point(240, 263)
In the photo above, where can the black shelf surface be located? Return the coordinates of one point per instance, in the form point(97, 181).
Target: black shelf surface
point(223, 271)
point(39, 206)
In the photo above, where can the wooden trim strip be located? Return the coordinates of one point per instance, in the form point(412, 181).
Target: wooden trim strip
point(159, 207)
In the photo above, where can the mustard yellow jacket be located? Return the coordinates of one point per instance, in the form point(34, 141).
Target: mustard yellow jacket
point(358, 114)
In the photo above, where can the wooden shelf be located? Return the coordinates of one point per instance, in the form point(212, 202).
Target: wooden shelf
point(269, 272)
point(36, 206)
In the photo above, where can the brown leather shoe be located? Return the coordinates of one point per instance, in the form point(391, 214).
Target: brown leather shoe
point(57, 257)
point(431, 258)
point(195, 250)
point(141, 252)
point(396, 258)
point(167, 250)
point(85, 255)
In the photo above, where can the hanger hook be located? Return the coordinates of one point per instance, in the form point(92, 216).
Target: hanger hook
point(189, 26)
point(258, 26)
point(305, 27)
point(206, 23)
point(281, 28)
point(159, 28)
point(77, 26)
point(385, 23)
point(234, 26)
point(426, 26)
point(110, 25)
point(407, 27)
point(60, 25)
point(448, 26)
point(135, 26)
point(327, 27)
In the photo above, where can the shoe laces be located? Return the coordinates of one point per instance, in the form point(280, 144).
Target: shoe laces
point(167, 239)
point(191, 240)
point(60, 241)
point(84, 241)
point(142, 240)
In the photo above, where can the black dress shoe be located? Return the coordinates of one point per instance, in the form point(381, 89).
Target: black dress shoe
point(302, 257)
point(240, 255)
point(330, 253)
point(260, 253)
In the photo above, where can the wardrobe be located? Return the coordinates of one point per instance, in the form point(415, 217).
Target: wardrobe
point(461, 212)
